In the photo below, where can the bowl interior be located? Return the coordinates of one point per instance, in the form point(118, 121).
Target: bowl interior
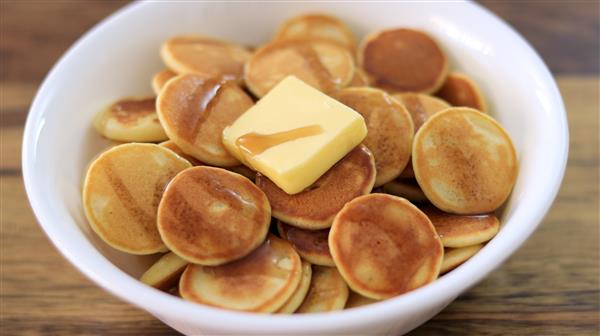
point(119, 57)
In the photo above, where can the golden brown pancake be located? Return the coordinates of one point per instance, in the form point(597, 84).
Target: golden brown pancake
point(311, 245)
point(160, 79)
point(327, 291)
point(205, 57)
point(406, 188)
point(130, 120)
point(464, 161)
point(460, 90)
point(172, 146)
point(454, 257)
point(359, 79)
point(420, 106)
point(296, 299)
point(244, 171)
point(462, 231)
point(261, 282)
point(194, 111)
point(322, 64)
point(315, 207)
point(165, 272)
point(211, 216)
point(390, 129)
point(401, 60)
point(121, 192)
point(384, 246)
point(357, 300)
point(317, 26)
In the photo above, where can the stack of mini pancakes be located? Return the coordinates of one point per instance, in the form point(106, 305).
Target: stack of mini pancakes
point(413, 201)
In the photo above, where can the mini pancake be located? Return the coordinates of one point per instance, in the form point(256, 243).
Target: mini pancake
point(205, 57)
point(121, 192)
point(130, 120)
point(322, 64)
point(359, 79)
point(160, 79)
point(172, 146)
point(460, 90)
point(357, 300)
point(194, 111)
point(211, 216)
point(244, 171)
point(317, 26)
point(164, 273)
point(311, 245)
point(315, 207)
point(296, 299)
point(462, 231)
point(384, 246)
point(400, 60)
point(454, 257)
point(406, 188)
point(464, 161)
point(261, 282)
point(389, 129)
point(420, 106)
point(327, 292)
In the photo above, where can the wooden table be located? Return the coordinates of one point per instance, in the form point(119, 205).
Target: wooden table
point(549, 287)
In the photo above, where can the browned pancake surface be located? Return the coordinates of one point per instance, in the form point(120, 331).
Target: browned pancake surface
point(420, 106)
point(317, 26)
point(312, 245)
point(315, 207)
point(172, 146)
point(390, 129)
point(210, 216)
point(384, 246)
point(460, 90)
point(461, 231)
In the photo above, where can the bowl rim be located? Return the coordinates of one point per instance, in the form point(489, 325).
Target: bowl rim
point(107, 276)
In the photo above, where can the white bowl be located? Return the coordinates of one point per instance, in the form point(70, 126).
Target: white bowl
point(118, 57)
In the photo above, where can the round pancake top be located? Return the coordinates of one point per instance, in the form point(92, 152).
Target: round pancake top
point(194, 111)
point(292, 304)
point(172, 146)
point(160, 79)
point(312, 245)
point(261, 282)
point(389, 129)
point(121, 193)
point(210, 216)
point(460, 90)
point(403, 60)
point(204, 56)
point(315, 207)
point(464, 161)
point(460, 230)
point(420, 106)
point(322, 64)
point(317, 26)
point(384, 246)
point(327, 291)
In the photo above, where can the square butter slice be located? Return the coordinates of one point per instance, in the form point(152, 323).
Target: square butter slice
point(294, 134)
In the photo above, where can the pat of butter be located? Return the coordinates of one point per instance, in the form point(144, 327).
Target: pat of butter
point(307, 133)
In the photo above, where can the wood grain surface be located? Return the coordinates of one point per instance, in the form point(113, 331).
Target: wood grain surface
point(549, 287)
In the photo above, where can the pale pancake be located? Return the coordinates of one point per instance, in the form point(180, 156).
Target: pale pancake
point(296, 299)
point(327, 291)
point(357, 300)
point(401, 60)
point(121, 192)
point(464, 161)
point(130, 120)
point(160, 79)
point(317, 26)
point(460, 90)
point(462, 231)
point(311, 245)
point(406, 188)
point(389, 125)
point(194, 112)
point(261, 282)
point(454, 257)
point(211, 216)
point(205, 57)
point(165, 272)
point(384, 246)
point(172, 146)
point(322, 64)
point(359, 79)
point(420, 106)
point(315, 207)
